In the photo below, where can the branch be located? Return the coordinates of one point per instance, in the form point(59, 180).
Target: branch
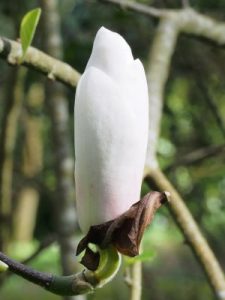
point(191, 232)
point(209, 99)
point(36, 277)
point(43, 245)
point(61, 285)
point(137, 7)
point(186, 20)
point(76, 284)
point(136, 281)
point(158, 67)
point(38, 60)
point(170, 26)
point(196, 156)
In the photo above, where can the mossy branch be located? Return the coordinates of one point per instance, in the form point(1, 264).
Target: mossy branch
point(191, 232)
point(55, 69)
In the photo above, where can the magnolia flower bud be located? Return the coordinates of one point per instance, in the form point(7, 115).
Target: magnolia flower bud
point(111, 128)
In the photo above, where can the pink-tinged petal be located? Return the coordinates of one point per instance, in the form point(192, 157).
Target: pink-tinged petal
point(111, 126)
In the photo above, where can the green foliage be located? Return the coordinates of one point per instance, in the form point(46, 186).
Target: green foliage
point(145, 256)
point(28, 27)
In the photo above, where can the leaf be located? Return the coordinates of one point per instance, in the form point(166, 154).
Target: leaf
point(28, 27)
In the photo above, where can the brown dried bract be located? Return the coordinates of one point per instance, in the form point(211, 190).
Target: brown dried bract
point(124, 232)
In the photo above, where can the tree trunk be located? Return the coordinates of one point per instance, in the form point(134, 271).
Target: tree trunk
point(64, 162)
point(7, 141)
point(28, 198)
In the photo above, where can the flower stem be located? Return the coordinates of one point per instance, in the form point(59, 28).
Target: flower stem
point(110, 261)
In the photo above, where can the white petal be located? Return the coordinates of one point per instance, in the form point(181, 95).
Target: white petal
point(135, 90)
point(110, 149)
point(110, 53)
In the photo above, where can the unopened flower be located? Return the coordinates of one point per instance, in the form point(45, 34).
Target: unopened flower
point(111, 128)
point(111, 132)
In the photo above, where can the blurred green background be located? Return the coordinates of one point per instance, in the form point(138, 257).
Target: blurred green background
point(193, 120)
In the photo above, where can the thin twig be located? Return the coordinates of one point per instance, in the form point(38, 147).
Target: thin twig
point(61, 285)
point(186, 20)
point(211, 103)
point(138, 7)
point(26, 272)
point(196, 156)
point(42, 246)
point(136, 281)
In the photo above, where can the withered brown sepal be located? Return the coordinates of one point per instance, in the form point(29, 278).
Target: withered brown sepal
point(124, 232)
